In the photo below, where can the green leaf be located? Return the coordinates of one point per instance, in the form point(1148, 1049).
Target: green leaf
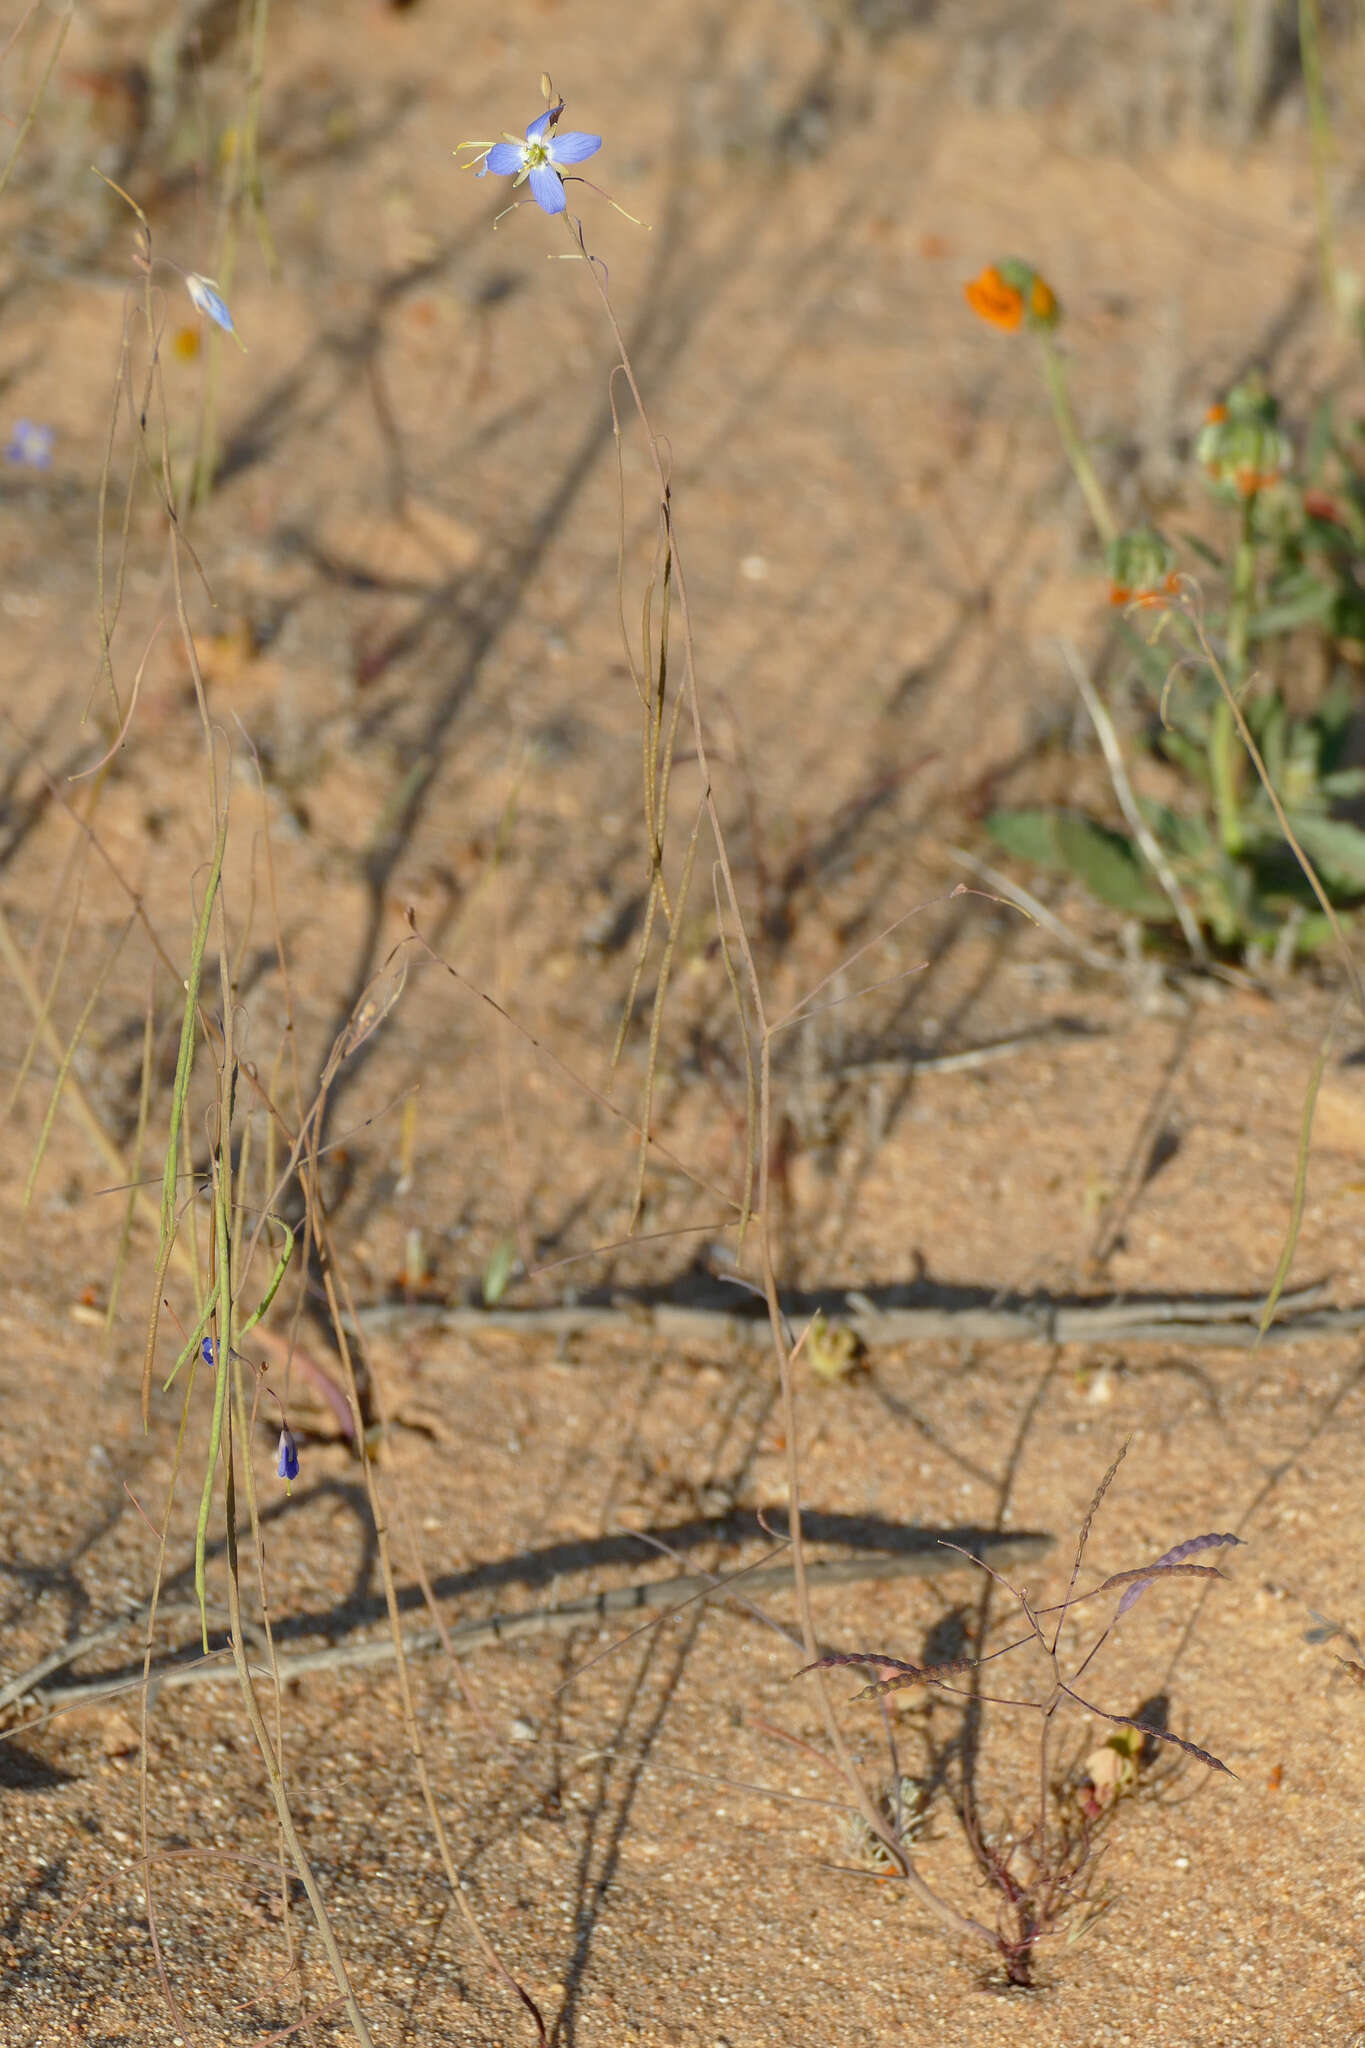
point(1335, 848)
point(1187, 754)
point(1312, 604)
point(498, 1271)
point(1107, 862)
point(1335, 718)
point(1348, 616)
point(1028, 835)
point(1186, 838)
point(1315, 934)
point(1321, 439)
point(1268, 720)
point(1198, 546)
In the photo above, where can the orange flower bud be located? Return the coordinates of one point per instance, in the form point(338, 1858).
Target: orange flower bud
point(1144, 600)
point(1010, 293)
point(1042, 303)
point(1241, 445)
point(1141, 569)
point(992, 300)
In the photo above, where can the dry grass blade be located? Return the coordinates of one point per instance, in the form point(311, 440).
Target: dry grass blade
point(1129, 805)
point(65, 1064)
point(1309, 1111)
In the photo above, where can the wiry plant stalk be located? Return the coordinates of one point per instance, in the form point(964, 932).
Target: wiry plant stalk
point(759, 1136)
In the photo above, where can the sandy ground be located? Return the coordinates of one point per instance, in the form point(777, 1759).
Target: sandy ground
point(413, 566)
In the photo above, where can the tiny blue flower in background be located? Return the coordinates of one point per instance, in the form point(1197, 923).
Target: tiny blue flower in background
point(208, 1350)
point(540, 157)
point(30, 445)
point(209, 300)
point(288, 1465)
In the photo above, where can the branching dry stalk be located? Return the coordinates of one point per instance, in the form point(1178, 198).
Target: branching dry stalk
point(1056, 1850)
point(760, 1134)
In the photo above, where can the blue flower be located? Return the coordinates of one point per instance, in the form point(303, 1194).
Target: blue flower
point(30, 445)
point(288, 1465)
point(540, 158)
point(208, 1350)
point(209, 300)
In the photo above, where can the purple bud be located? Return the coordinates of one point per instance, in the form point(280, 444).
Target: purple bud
point(288, 1465)
point(30, 445)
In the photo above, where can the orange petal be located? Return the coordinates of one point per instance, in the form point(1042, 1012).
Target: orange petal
point(1042, 301)
point(994, 301)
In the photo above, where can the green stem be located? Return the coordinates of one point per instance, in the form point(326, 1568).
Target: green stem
point(1077, 454)
point(1225, 755)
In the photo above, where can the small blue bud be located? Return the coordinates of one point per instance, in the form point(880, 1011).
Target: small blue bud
point(209, 300)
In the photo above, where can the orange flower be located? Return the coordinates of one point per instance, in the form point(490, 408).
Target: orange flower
point(1250, 481)
point(1215, 415)
point(1121, 593)
point(1042, 302)
point(994, 301)
point(1010, 294)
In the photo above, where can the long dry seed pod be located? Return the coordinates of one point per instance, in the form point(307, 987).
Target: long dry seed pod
point(1204, 1756)
point(1168, 1564)
point(904, 1675)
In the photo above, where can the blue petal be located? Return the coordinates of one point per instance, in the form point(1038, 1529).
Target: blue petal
point(546, 189)
point(573, 148)
point(540, 124)
point(207, 297)
point(504, 159)
point(288, 1466)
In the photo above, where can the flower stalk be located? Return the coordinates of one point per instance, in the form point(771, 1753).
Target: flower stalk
point(1226, 758)
point(1010, 294)
point(1073, 441)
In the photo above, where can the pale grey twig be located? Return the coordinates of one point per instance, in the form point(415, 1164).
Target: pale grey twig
point(1014, 892)
point(1230, 1324)
point(564, 1619)
point(1128, 803)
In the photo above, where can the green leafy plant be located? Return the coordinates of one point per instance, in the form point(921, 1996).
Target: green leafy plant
point(1265, 779)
